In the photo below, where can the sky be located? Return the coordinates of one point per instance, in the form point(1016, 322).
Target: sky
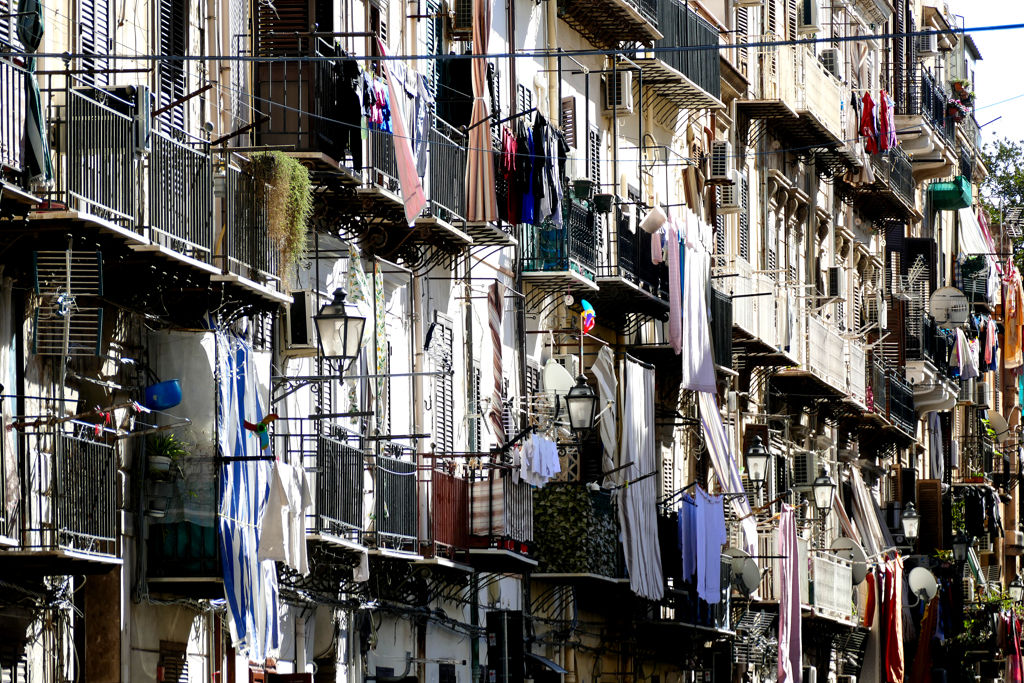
point(1000, 74)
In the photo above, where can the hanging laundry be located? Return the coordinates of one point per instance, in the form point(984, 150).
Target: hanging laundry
point(711, 536)
point(698, 362)
point(688, 535)
point(541, 189)
point(524, 174)
point(790, 664)
point(869, 124)
point(675, 294)
point(1014, 317)
point(283, 528)
point(893, 605)
point(887, 122)
point(421, 124)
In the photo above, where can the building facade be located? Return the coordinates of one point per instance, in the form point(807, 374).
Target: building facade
point(772, 207)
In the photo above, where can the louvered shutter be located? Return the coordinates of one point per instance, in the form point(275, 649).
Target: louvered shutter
point(173, 77)
point(174, 662)
point(569, 120)
point(524, 98)
point(721, 243)
point(94, 39)
point(444, 391)
point(476, 423)
point(8, 31)
point(742, 37)
point(929, 506)
point(791, 20)
point(277, 24)
point(435, 31)
point(898, 84)
point(745, 218)
point(594, 158)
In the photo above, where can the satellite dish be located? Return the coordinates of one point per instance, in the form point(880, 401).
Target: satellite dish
point(949, 306)
point(745, 572)
point(848, 549)
point(999, 426)
point(922, 583)
point(556, 378)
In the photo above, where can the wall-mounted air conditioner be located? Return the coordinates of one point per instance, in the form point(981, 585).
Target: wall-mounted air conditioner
point(832, 60)
point(299, 327)
point(569, 361)
point(805, 469)
point(808, 20)
point(618, 97)
point(967, 392)
point(928, 43)
point(981, 393)
point(721, 161)
point(732, 202)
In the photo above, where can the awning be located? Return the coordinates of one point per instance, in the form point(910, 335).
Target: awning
point(547, 662)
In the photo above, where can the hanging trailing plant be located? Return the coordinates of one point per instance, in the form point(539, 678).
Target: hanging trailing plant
point(283, 186)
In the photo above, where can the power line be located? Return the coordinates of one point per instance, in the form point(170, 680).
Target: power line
point(67, 56)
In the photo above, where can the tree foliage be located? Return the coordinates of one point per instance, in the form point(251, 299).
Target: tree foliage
point(1004, 186)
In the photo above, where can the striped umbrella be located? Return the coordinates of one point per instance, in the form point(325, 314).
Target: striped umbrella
point(480, 183)
point(495, 309)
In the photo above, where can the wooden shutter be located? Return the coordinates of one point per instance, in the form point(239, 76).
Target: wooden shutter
point(524, 97)
point(476, 410)
point(791, 20)
point(745, 218)
point(94, 38)
point(929, 506)
point(898, 84)
point(276, 26)
point(742, 37)
point(444, 390)
point(721, 243)
point(8, 32)
point(173, 76)
point(174, 662)
point(594, 158)
point(569, 120)
point(435, 44)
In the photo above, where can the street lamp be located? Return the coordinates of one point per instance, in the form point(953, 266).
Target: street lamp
point(757, 462)
point(1016, 589)
point(581, 405)
point(911, 522)
point(824, 493)
point(960, 545)
point(340, 328)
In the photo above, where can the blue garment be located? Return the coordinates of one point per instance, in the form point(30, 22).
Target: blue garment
point(688, 536)
point(528, 198)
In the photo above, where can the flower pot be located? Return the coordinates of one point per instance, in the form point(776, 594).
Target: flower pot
point(583, 188)
point(603, 202)
point(163, 395)
point(156, 513)
point(158, 464)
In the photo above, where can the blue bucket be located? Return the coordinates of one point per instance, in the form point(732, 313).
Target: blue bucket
point(164, 395)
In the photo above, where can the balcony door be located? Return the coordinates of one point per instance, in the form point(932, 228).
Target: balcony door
point(172, 74)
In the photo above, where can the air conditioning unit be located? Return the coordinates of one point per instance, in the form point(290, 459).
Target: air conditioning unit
point(809, 17)
point(928, 43)
point(619, 97)
point(1014, 543)
point(299, 327)
point(721, 161)
point(836, 282)
point(805, 469)
point(969, 588)
point(810, 674)
point(731, 200)
point(985, 545)
point(832, 60)
point(967, 393)
point(981, 393)
point(461, 17)
point(569, 361)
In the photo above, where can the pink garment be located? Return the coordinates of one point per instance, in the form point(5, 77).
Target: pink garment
point(412, 191)
point(893, 604)
point(1013, 658)
point(657, 253)
point(675, 290)
point(790, 668)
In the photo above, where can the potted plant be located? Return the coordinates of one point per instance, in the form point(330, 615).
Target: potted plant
point(603, 202)
point(162, 451)
point(583, 188)
point(956, 110)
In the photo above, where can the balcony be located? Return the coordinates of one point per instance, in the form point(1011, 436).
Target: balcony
point(892, 193)
point(248, 252)
point(556, 258)
point(759, 313)
point(887, 412)
point(13, 199)
point(336, 479)
point(483, 522)
point(576, 535)
point(821, 370)
point(924, 129)
point(180, 211)
point(826, 580)
point(68, 522)
point(300, 100)
point(394, 487)
point(629, 280)
point(687, 79)
point(927, 370)
point(611, 23)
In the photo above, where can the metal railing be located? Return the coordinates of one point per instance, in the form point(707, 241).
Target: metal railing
point(681, 27)
point(248, 249)
point(100, 156)
point(858, 372)
point(84, 496)
point(930, 345)
point(894, 170)
point(966, 162)
point(770, 587)
point(878, 399)
point(627, 260)
point(338, 489)
point(826, 353)
point(446, 187)
point(395, 502)
point(572, 247)
point(302, 98)
point(762, 317)
point(181, 197)
point(183, 550)
point(12, 123)
point(924, 96)
point(820, 94)
point(832, 587)
point(501, 509)
point(901, 404)
point(383, 166)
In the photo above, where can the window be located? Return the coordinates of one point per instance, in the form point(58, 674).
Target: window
point(745, 219)
point(444, 389)
point(569, 120)
point(476, 411)
point(172, 75)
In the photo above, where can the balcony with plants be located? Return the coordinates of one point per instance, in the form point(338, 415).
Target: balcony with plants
point(556, 256)
point(926, 121)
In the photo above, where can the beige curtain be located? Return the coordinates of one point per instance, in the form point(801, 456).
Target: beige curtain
point(482, 204)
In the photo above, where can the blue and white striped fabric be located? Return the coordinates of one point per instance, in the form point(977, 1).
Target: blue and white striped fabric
point(250, 585)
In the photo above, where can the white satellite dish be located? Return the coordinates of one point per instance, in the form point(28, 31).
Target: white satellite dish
point(922, 583)
point(949, 306)
point(999, 426)
point(745, 572)
point(848, 549)
point(556, 378)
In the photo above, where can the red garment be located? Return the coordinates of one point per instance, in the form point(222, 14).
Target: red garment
point(869, 606)
point(869, 124)
point(886, 127)
point(921, 668)
point(894, 621)
point(508, 167)
point(1013, 660)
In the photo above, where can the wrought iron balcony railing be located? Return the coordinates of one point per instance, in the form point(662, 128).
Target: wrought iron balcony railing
point(572, 247)
point(12, 124)
point(249, 251)
point(181, 196)
point(924, 96)
point(394, 503)
point(630, 260)
point(894, 170)
point(681, 27)
point(446, 182)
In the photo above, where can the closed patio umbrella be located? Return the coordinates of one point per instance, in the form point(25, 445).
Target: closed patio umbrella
point(30, 33)
point(482, 204)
